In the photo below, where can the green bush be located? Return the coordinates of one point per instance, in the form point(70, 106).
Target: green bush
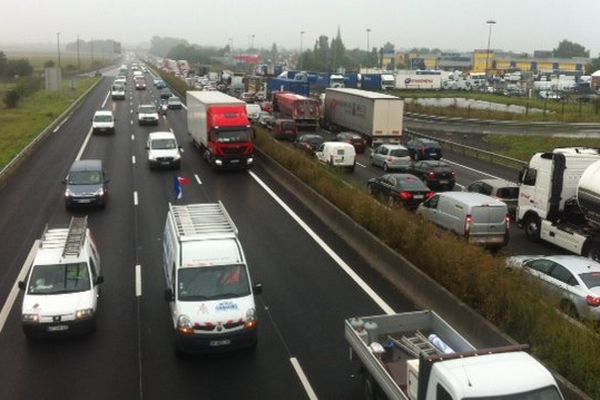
point(12, 97)
point(512, 303)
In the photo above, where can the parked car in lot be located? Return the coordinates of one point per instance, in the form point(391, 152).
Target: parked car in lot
point(481, 219)
point(173, 103)
point(575, 279)
point(147, 114)
point(163, 150)
point(284, 129)
point(86, 184)
point(103, 122)
point(354, 139)
point(404, 189)
point(309, 142)
point(61, 291)
point(435, 174)
point(424, 149)
point(505, 191)
point(337, 154)
point(390, 156)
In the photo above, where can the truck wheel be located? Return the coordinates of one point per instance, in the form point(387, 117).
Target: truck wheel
point(385, 167)
point(592, 250)
point(532, 228)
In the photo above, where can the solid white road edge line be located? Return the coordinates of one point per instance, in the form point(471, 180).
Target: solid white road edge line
point(305, 383)
point(83, 146)
point(353, 275)
point(198, 179)
point(135, 198)
point(472, 169)
point(138, 280)
point(133, 159)
point(105, 99)
point(12, 296)
point(184, 106)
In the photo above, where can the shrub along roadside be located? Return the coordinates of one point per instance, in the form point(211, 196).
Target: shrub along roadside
point(472, 274)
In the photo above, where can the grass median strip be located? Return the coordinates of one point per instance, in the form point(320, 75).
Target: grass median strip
point(476, 277)
point(19, 126)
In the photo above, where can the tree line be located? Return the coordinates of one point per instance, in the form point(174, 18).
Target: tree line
point(12, 68)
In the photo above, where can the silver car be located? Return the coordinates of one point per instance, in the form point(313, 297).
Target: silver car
point(390, 156)
point(505, 191)
point(575, 279)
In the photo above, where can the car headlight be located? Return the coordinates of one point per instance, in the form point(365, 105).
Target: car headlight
point(250, 160)
point(100, 192)
point(35, 318)
point(184, 325)
point(151, 157)
point(84, 313)
point(177, 156)
point(218, 162)
point(250, 319)
point(68, 193)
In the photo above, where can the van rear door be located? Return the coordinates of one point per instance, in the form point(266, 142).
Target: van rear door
point(488, 224)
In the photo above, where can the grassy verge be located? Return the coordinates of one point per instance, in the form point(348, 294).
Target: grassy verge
point(472, 274)
point(523, 147)
point(68, 61)
point(19, 126)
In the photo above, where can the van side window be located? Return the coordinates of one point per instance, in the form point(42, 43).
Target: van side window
point(530, 177)
point(442, 394)
point(433, 202)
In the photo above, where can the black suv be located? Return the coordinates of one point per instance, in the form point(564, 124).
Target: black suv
point(424, 149)
point(435, 174)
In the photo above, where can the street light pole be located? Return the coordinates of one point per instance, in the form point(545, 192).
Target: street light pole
point(78, 61)
point(252, 46)
point(300, 57)
point(368, 32)
point(58, 47)
point(490, 22)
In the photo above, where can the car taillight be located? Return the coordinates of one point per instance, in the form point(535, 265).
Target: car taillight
point(593, 301)
point(405, 195)
point(431, 175)
point(423, 149)
point(454, 174)
point(507, 221)
point(429, 195)
point(468, 223)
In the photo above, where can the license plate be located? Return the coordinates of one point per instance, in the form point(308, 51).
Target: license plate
point(418, 196)
point(216, 343)
point(84, 200)
point(443, 182)
point(164, 163)
point(57, 328)
point(234, 161)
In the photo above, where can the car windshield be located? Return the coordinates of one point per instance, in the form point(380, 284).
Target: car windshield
point(85, 178)
point(508, 193)
point(399, 153)
point(212, 283)
point(232, 136)
point(60, 278)
point(147, 109)
point(441, 168)
point(547, 393)
point(591, 279)
point(163, 144)
point(103, 118)
point(118, 88)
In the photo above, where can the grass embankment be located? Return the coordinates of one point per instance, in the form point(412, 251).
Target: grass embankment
point(523, 147)
point(68, 61)
point(555, 111)
point(19, 126)
point(472, 274)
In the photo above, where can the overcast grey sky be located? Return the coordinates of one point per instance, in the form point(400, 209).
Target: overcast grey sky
point(522, 25)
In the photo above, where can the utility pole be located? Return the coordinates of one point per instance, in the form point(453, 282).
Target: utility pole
point(300, 58)
point(490, 22)
point(78, 61)
point(92, 46)
point(368, 32)
point(252, 46)
point(58, 47)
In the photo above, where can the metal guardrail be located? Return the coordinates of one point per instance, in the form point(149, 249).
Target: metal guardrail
point(515, 124)
point(12, 166)
point(473, 152)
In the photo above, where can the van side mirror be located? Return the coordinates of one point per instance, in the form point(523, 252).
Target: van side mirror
point(169, 295)
point(257, 288)
point(99, 280)
point(147, 147)
point(21, 285)
point(106, 180)
point(521, 174)
point(180, 149)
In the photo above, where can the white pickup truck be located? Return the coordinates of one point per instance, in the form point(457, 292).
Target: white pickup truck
point(419, 356)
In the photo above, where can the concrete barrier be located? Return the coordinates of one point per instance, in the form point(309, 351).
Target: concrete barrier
point(422, 290)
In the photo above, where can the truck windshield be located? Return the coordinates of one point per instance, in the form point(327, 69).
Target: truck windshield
point(212, 283)
point(233, 136)
point(60, 278)
point(547, 393)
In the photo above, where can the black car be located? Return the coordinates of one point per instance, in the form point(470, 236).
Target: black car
point(424, 149)
point(165, 94)
point(309, 142)
point(435, 174)
point(354, 139)
point(85, 185)
point(404, 189)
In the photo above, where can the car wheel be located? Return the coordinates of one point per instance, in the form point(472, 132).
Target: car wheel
point(385, 167)
point(569, 308)
point(532, 228)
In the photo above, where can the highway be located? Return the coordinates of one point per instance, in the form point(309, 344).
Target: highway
point(307, 292)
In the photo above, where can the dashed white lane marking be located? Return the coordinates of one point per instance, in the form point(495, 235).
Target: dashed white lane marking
point(132, 136)
point(198, 179)
point(135, 198)
point(85, 142)
point(131, 122)
point(12, 296)
point(471, 169)
point(303, 379)
point(105, 99)
point(337, 259)
point(360, 165)
point(138, 280)
point(133, 159)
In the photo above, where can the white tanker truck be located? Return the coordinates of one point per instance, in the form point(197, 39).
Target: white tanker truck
point(559, 200)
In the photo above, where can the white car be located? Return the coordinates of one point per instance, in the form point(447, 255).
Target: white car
point(121, 79)
point(163, 150)
point(575, 279)
point(61, 289)
point(147, 114)
point(103, 122)
point(337, 154)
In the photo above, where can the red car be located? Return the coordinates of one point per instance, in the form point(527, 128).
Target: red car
point(285, 129)
point(354, 139)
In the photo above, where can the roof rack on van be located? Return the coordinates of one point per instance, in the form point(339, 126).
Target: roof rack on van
point(202, 219)
point(69, 240)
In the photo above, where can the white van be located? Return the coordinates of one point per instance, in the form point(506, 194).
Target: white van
point(337, 154)
point(103, 122)
point(208, 284)
point(117, 91)
point(61, 289)
point(163, 150)
point(481, 219)
point(253, 111)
